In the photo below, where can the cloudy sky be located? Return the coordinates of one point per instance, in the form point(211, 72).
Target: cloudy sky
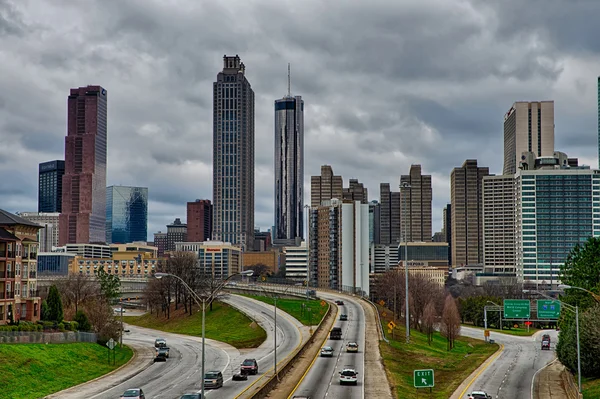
point(386, 84)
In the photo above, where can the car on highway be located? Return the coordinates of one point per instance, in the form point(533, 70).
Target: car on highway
point(119, 310)
point(213, 379)
point(336, 333)
point(327, 351)
point(338, 302)
point(160, 342)
point(546, 337)
point(249, 366)
point(133, 393)
point(352, 347)
point(545, 345)
point(348, 375)
point(479, 395)
point(241, 376)
point(161, 355)
point(190, 396)
point(343, 317)
point(164, 349)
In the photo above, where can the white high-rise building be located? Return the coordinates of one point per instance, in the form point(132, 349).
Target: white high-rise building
point(296, 262)
point(48, 236)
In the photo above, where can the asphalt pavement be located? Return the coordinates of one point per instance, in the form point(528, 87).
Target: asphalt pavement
point(322, 379)
point(511, 374)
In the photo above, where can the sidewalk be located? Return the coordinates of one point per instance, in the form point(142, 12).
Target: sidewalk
point(549, 383)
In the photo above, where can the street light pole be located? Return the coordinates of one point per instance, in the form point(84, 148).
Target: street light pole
point(201, 302)
point(308, 264)
point(406, 186)
point(275, 297)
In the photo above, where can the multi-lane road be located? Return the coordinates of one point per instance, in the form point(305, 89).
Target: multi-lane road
point(322, 379)
point(511, 374)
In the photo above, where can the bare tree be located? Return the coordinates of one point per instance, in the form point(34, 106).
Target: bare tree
point(450, 326)
point(101, 318)
point(184, 265)
point(422, 290)
point(260, 269)
point(429, 321)
point(76, 289)
point(156, 296)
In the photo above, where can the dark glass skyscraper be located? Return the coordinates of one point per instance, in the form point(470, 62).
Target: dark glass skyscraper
point(126, 214)
point(83, 217)
point(233, 155)
point(289, 169)
point(50, 186)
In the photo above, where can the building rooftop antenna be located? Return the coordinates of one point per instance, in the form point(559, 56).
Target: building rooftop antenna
point(289, 82)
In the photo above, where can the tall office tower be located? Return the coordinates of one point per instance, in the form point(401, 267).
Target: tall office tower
point(389, 215)
point(499, 222)
point(176, 232)
point(356, 192)
point(467, 209)
point(199, 220)
point(374, 222)
point(50, 186)
point(448, 230)
point(126, 214)
point(325, 187)
point(233, 155)
point(528, 126)
point(48, 235)
point(160, 242)
point(289, 169)
point(598, 121)
point(83, 217)
point(416, 205)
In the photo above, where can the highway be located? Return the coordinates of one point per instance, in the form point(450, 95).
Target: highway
point(322, 380)
point(511, 374)
point(181, 373)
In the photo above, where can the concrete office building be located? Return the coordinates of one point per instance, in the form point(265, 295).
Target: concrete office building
point(340, 246)
point(557, 208)
point(289, 170)
point(126, 214)
point(55, 264)
point(296, 262)
point(389, 215)
point(96, 251)
point(50, 186)
point(528, 127)
point(219, 259)
point(467, 217)
point(325, 187)
point(416, 205)
point(233, 155)
point(199, 220)
point(160, 242)
point(355, 192)
point(176, 232)
point(49, 233)
point(374, 222)
point(423, 254)
point(447, 229)
point(83, 217)
point(499, 222)
point(383, 258)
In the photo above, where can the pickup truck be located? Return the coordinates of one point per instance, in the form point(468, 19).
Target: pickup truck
point(336, 333)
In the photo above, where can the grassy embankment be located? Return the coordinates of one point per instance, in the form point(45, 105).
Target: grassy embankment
point(520, 332)
point(451, 368)
point(294, 308)
point(223, 323)
point(32, 371)
point(591, 388)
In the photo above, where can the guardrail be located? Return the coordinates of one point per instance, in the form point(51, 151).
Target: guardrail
point(379, 327)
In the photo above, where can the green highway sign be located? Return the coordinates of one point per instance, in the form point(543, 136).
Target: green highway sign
point(548, 309)
point(516, 309)
point(423, 378)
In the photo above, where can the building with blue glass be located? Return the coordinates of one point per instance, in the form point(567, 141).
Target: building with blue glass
point(126, 214)
point(557, 207)
point(50, 186)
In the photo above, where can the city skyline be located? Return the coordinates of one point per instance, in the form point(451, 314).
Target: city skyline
point(360, 139)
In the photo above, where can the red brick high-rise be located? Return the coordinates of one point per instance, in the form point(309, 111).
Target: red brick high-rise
point(83, 217)
point(199, 220)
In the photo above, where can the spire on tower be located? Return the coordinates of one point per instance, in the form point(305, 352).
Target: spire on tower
point(289, 82)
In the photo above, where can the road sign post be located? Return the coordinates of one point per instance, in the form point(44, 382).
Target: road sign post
point(391, 325)
point(423, 378)
point(517, 309)
point(548, 309)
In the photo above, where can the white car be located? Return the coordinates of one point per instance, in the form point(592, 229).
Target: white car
point(352, 347)
point(348, 376)
point(479, 395)
point(119, 310)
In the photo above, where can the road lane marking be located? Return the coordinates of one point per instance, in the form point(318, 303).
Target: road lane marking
point(486, 365)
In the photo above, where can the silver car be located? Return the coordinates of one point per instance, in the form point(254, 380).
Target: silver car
point(213, 379)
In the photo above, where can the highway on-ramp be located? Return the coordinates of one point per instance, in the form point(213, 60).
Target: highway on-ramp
point(511, 374)
point(322, 379)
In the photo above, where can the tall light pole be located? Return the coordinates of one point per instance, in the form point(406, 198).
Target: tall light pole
point(204, 301)
point(570, 287)
point(275, 296)
point(574, 309)
point(406, 185)
point(308, 265)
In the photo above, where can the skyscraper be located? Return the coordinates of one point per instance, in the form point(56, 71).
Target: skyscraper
point(598, 121)
point(83, 217)
point(289, 169)
point(356, 191)
point(528, 126)
point(325, 187)
point(467, 213)
point(416, 205)
point(176, 232)
point(126, 214)
point(199, 220)
point(389, 215)
point(50, 186)
point(233, 155)
point(447, 229)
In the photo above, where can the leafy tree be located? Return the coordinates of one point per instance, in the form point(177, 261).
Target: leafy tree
point(45, 311)
point(450, 326)
point(259, 269)
point(109, 284)
point(589, 332)
point(82, 321)
point(55, 307)
point(582, 269)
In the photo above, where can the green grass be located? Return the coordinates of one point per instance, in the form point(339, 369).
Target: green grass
point(520, 332)
point(591, 388)
point(294, 308)
point(29, 371)
point(451, 368)
point(223, 323)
